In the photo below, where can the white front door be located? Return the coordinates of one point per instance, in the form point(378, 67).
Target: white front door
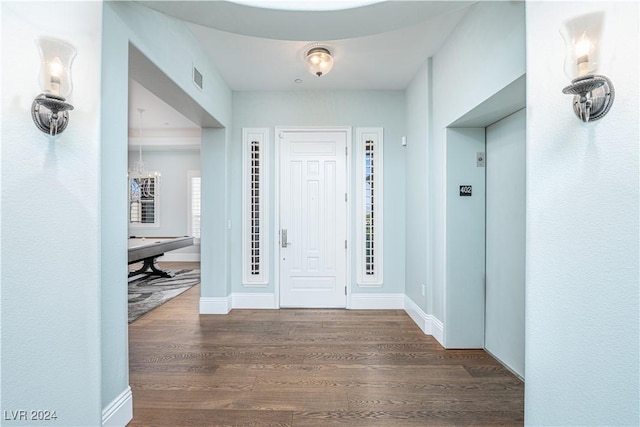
point(313, 218)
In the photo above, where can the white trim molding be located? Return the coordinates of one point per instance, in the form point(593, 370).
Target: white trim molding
point(254, 300)
point(255, 207)
point(119, 412)
point(215, 305)
point(165, 140)
point(369, 217)
point(428, 323)
point(437, 329)
point(223, 305)
point(360, 301)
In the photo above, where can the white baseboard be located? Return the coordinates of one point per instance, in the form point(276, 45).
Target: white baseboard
point(428, 323)
point(215, 305)
point(254, 300)
point(268, 301)
point(178, 257)
point(437, 329)
point(376, 302)
point(119, 412)
point(419, 317)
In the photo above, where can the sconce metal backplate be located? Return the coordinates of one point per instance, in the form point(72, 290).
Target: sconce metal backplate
point(50, 113)
point(593, 96)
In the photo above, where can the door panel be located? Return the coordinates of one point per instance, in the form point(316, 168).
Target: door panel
point(313, 212)
point(505, 271)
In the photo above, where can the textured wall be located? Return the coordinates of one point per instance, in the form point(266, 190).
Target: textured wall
point(582, 229)
point(484, 54)
point(50, 223)
point(418, 118)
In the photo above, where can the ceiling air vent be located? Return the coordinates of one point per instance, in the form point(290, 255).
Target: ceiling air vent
point(197, 78)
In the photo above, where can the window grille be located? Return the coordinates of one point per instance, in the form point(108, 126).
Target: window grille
point(255, 257)
point(143, 201)
point(255, 208)
point(369, 209)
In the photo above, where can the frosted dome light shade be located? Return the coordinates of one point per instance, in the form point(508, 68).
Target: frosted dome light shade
point(56, 58)
point(319, 61)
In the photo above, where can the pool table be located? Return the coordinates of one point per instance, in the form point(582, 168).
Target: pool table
point(148, 249)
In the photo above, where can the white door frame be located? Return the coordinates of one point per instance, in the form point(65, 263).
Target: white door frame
point(276, 230)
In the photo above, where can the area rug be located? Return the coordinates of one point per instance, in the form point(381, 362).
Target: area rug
point(147, 293)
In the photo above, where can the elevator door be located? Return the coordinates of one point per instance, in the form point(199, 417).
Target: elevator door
point(505, 241)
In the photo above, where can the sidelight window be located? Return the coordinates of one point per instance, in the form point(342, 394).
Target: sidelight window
point(254, 207)
point(369, 206)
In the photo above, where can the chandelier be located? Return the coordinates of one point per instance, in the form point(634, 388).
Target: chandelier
point(139, 171)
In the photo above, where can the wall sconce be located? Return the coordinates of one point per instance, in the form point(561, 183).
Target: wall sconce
point(319, 60)
point(593, 94)
point(49, 110)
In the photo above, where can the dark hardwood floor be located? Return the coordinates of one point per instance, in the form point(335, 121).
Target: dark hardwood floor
point(308, 367)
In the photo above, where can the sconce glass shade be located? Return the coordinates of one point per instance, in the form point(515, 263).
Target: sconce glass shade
point(593, 94)
point(582, 44)
point(319, 61)
point(49, 111)
point(56, 58)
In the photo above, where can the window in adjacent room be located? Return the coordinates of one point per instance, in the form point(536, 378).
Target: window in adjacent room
point(193, 215)
point(143, 201)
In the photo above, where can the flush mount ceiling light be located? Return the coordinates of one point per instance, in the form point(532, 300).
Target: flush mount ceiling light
point(593, 94)
point(319, 60)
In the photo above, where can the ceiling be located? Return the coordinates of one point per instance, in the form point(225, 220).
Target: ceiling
point(379, 46)
point(156, 115)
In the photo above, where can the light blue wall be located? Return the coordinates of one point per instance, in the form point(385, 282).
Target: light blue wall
point(214, 245)
point(418, 256)
point(485, 53)
point(465, 240)
point(582, 296)
point(113, 206)
point(169, 44)
point(50, 222)
point(174, 165)
point(329, 108)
